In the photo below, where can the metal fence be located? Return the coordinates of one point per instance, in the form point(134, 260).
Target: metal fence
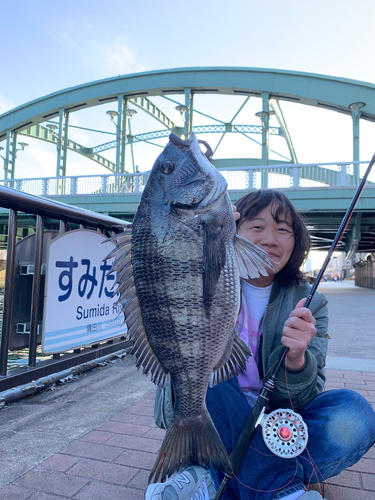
point(65, 216)
point(365, 272)
point(275, 176)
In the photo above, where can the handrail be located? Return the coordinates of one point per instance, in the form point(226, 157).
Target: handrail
point(282, 176)
point(17, 201)
point(24, 202)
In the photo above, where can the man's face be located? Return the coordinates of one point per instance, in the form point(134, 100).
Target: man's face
point(277, 239)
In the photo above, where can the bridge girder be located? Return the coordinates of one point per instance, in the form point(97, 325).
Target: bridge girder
point(346, 96)
point(305, 88)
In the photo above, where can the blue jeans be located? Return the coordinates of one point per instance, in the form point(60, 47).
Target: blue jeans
point(341, 426)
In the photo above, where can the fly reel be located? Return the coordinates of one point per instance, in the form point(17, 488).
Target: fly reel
point(285, 433)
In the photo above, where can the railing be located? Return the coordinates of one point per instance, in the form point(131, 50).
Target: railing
point(17, 201)
point(276, 176)
point(365, 272)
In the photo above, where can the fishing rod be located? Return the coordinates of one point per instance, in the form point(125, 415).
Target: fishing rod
point(296, 428)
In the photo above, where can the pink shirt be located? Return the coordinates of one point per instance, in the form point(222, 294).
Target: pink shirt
point(249, 327)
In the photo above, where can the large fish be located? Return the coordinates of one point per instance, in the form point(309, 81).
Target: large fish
point(178, 268)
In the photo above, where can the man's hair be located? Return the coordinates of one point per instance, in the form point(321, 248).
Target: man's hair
point(254, 202)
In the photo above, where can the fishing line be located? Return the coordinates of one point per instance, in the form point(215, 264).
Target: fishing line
point(267, 491)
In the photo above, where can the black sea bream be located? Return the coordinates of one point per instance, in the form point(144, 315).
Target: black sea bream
point(178, 268)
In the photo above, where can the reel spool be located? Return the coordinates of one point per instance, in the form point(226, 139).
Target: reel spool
point(284, 433)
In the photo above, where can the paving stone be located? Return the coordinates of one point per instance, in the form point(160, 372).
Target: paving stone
point(52, 482)
point(103, 452)
point(369, 482)
point(347, 478)
point(134, 443)
point(41, 495)
point(59, 462)
point(155, 433)
point(140, 480)
point(141, 410)
point(12, 492)
point(103, 471)
point(144, 420)
point(125, 417)
point(96, 437)
point(98, 490)
point(342, 493)
point(138, 459)
point(123, 428)
point(364, 465)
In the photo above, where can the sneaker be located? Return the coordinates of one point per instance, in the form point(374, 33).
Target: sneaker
point(311, 495)
point(193, 483)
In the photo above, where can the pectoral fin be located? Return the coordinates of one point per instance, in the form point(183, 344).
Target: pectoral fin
point(251, 260)
point(214, 258)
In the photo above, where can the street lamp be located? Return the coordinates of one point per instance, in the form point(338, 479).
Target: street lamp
point(52, 127)
point(113, 114)
point(181, 108)
point(131, 113)
point(262, 115)
point(23, 146)
point(357, 106)
point(12, 161)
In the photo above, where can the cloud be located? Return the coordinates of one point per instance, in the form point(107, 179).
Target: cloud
point(5, 104)
point(111, 57)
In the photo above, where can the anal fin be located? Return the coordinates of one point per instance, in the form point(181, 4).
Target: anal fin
point(237, 359)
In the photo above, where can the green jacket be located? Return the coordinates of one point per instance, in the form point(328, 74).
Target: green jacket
point(298, 386)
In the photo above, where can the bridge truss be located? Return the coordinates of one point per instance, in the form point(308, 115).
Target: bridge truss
point(158, 94)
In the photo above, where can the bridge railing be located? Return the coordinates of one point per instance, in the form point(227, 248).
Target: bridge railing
point(275, 176)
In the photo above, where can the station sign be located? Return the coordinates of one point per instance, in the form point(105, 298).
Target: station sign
point(79, 309)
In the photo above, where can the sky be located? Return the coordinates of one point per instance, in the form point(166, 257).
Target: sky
point(50, 46)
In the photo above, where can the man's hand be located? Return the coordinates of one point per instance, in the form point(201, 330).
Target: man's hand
point(298, 331)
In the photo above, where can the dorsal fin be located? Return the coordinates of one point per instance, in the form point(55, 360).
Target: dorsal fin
point(128, 299)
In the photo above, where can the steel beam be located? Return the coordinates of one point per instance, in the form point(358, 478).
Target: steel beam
point(150, 108)
point(331, 93)
point(276, 108)
point(44, 134)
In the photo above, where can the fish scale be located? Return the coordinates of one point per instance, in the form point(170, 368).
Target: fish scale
point(185, 296)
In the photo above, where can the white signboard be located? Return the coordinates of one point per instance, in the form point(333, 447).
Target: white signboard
point(78, 308)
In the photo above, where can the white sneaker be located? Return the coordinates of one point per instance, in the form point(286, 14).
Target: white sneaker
point(311, 495)
point(193, 483)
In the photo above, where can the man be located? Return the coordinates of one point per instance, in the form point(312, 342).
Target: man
point(341, 424)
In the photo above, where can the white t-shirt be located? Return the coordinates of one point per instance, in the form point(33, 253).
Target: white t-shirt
point(249, 327)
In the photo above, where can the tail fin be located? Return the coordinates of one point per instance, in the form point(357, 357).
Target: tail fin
point(194, 441)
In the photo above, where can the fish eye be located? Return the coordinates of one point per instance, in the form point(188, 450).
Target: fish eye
point(167, 167)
